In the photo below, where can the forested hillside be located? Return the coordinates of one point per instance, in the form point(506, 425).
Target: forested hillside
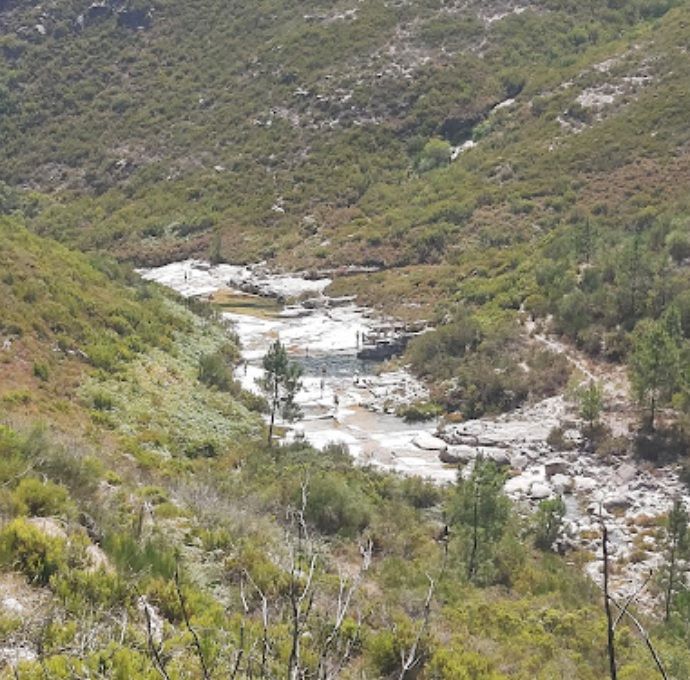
point(510, 175)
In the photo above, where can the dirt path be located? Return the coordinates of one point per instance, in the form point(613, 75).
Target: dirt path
point(620, 412)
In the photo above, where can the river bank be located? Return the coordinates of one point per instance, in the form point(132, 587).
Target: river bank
point(350, 402)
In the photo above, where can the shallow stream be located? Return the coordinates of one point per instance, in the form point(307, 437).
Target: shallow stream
point(347, 401)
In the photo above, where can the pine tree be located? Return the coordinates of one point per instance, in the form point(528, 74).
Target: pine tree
point(280, 383)
point(654, 365)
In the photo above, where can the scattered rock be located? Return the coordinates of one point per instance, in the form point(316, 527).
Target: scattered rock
point(539, 490)
point(617, 503)
point(428, 442)
point(557, 466)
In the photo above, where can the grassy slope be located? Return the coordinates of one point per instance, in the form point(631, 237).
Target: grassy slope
point(76, 104)
point(88, 342)
point(128, 148)
point(127, 500)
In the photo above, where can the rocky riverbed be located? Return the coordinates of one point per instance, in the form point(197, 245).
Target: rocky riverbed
point(351, 402)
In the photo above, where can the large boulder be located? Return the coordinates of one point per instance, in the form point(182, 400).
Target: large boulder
point(497, 456)
point(457, 455)
point(135, 18)
point(618, 503)
point(562, 483)
point(585, 483)
point(625, 473)
point(539, 491)
point(557, 466)
point(428, 442)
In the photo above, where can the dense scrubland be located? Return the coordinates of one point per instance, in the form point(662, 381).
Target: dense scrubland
point(147, 530)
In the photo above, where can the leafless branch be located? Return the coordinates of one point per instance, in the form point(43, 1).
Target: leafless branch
point(410, 660)
point(154, 649)
point(188, 625)
point(345, 594)
point(264, 622)
point(657, 659)
point(630, 599)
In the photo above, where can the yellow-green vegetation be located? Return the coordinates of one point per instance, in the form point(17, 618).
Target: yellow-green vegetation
point(130, 588)
point(145, 529)
point(158, 535)
point(115, 349)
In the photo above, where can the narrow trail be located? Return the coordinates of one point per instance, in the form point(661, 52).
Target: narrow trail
point(620, 412)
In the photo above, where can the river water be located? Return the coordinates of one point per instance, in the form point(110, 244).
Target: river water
point(344, 400)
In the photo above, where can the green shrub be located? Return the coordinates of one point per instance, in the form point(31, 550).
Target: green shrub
point(547, 522)
point(419, 493)
point(215, 371)
point(80, 588)
point(42, 499)
point(335, 506)
point(40, 370)
point(27, 549)
point(102, 401)
point(419, 411)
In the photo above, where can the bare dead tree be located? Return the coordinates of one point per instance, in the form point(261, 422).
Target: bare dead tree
point(630, 599)
point(412, 658)
point(265, 642)
point(624, 610)
point(303, 560)
point(345, 592)
point(195, 638)
point(154, 647)
point(677, 531)
point(301, 596)
point(472, 562)
point(240, 654)
point(610, 629)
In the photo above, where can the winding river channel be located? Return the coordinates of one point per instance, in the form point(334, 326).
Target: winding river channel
point(351, 402)
point(344, 400)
